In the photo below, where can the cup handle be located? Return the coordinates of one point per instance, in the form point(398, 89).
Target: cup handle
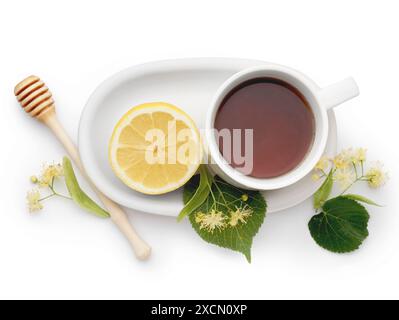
point(338, 93)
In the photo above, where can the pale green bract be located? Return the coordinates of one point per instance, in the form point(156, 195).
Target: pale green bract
point(360, 198)
point(77, 194)
point(323, 192)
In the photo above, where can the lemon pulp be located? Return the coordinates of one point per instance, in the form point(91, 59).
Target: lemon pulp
point(155, 148)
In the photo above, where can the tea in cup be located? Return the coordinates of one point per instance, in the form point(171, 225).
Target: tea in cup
point(267, 126)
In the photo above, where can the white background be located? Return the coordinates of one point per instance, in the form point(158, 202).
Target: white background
point(74, 45)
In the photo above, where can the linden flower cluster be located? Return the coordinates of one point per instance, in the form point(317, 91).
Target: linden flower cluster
point(49, 173)
point(348, 167)
point(33, 198)
point(217, 220)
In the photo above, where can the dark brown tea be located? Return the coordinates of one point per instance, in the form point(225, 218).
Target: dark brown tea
point(282, 123)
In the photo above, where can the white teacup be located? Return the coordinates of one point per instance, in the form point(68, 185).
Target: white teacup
point(319, 100)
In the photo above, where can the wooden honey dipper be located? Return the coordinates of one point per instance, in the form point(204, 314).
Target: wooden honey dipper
point(36, 99)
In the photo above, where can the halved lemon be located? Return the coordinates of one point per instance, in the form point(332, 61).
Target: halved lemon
point(155, 148)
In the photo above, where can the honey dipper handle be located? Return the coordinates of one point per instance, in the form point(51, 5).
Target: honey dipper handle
point(118, 216)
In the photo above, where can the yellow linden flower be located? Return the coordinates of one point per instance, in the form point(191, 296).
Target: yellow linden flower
point(49, 173)
point(211, 221)
point(33, 198)
point(360, 155)
point(199, 217)
point(343, 159)
point(240, 215)
point(377, 177)
point(322, 164)
point(345, 177)
point(340, 162)
point(347, 157)
point(244, 197)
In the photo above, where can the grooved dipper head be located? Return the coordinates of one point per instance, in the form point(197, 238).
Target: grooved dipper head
point(34, 96)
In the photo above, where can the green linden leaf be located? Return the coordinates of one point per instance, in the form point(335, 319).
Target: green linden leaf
point(323, 192)
point(360, 198)
point(341, 227)
point(226, 203)
point(200, 194)
point(77, 194)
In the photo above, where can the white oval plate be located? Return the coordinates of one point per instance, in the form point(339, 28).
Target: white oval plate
point(186, 83)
